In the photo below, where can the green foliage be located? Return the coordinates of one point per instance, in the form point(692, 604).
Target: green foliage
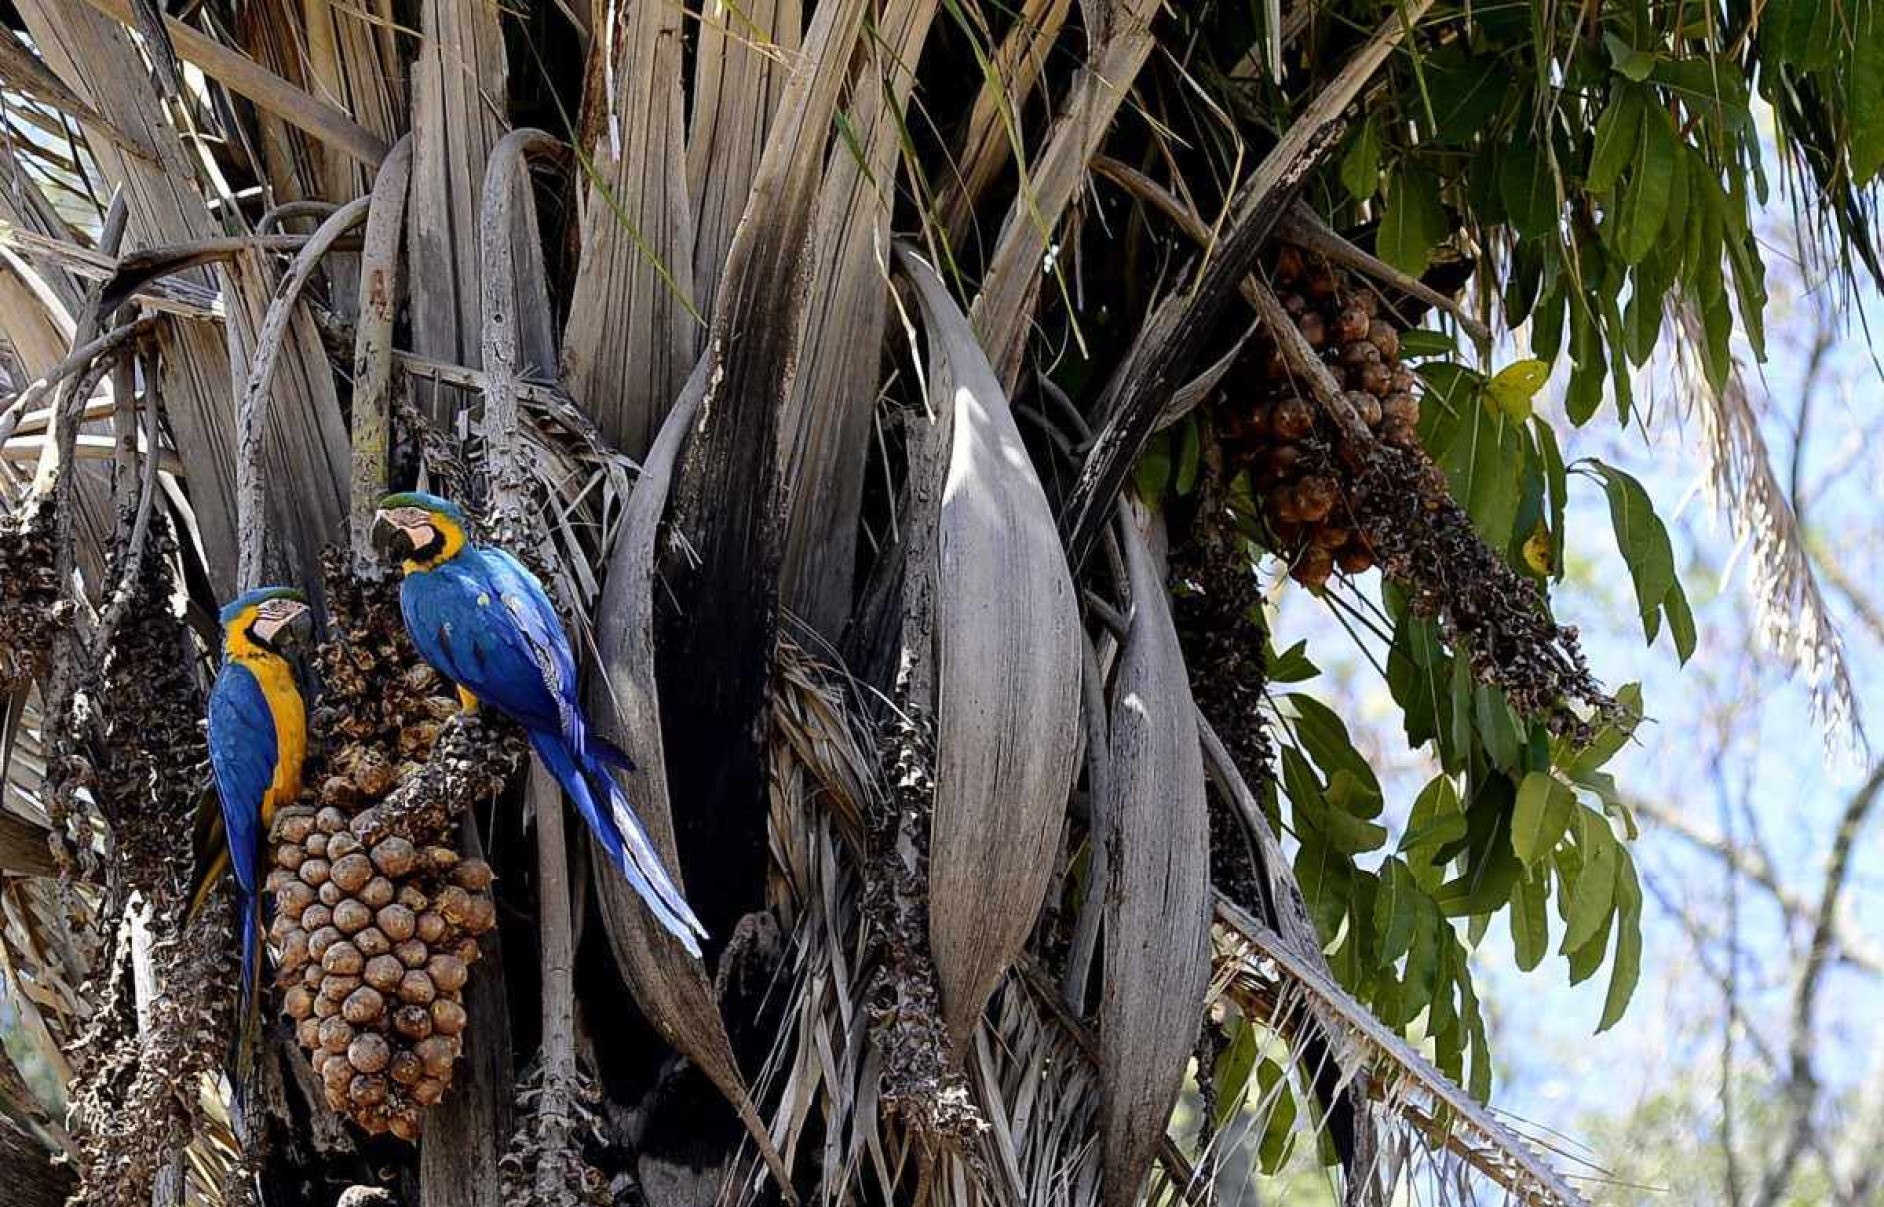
point(1606, 159)
point(1644, 542)
point(1602, 163)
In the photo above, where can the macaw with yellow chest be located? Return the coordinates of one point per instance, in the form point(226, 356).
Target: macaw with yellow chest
point(257, 743)
point(482, 620)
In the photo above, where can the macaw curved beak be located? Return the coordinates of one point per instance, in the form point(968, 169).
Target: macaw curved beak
point(285, 625)
point(392, 541)
point(298, 631)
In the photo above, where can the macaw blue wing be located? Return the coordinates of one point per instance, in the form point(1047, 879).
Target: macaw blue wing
point(242, 752)
point(485, 633)
point(529, 606)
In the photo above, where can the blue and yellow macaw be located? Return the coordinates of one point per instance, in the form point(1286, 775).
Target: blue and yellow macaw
point(482, 620)
point(257, 743)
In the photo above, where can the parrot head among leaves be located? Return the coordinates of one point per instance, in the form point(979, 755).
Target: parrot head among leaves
point(418, 529)
point(273, 618)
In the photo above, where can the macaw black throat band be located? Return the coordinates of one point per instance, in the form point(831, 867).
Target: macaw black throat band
point(431, 550)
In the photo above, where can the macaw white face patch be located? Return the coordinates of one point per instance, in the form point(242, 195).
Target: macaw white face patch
point(274, 615)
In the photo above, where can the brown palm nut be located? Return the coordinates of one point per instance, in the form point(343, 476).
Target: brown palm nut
point(1293, 419)
point(384, 973)
point(405, 1068)
point(351, 917)
point(413, 1022)
point(364, 1005)
point(416, 989)
point(394, 857)
point(351, 872)
point(447, 972)
point(343, 958)
point(1401, 408)
point(1312, 567)
point(369, 1052)
point(448, 1017)
point(397, 921)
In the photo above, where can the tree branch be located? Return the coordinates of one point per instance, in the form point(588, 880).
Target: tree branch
point(1853, 946)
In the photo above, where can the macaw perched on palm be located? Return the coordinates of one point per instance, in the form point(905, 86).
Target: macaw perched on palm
point(482, 620)
point(257, 744)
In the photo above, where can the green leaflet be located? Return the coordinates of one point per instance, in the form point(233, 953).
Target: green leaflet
point(1864, 90)
point(1414, 222)
point(1626, 969)
point(1556, 488)
point(1617, 131)
point(1233, 1071)
point(1483, 459)
point(1398, 908)
point(1644, 204)
point(1464, 94)
point(1643, 540)
point(1529, 920)
point(1630, 63)
point(1292, 665)
point(1542, 814)
point(1592, 897)
point(1528, 189)
point(1422, 341)
point(1360, 167)
point(1325, 737)
point(1342, 831)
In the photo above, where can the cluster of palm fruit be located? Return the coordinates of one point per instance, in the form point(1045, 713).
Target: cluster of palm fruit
point(1273, 428)
point(32, 608)
point(375, 945)
point(375, 932)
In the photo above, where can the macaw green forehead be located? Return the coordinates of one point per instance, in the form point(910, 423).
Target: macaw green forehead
point(249, 599)
point(444, 508)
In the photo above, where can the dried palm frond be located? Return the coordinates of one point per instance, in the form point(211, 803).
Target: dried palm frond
point(1446, 1147)
point(1792, 618)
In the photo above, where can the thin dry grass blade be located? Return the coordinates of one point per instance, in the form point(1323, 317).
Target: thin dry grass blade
point(994, 123)
point(1008, 644)
point(1157, 935)
point(634, 325)
point(1447, 1114)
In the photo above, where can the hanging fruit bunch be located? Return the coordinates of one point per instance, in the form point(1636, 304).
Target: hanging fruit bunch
point(32, 608)
point(1276, 431)
point(1332, 497)
point(377, 911)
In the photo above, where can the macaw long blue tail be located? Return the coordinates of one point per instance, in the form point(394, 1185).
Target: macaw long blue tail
point(622, 836)
point(249, 1020)
point(251, 928)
